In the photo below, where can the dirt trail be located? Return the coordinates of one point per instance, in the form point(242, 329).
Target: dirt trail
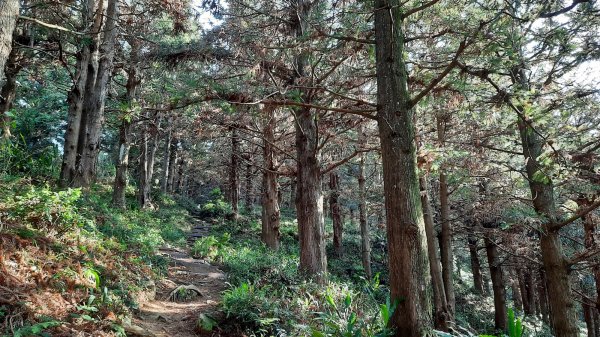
point(161, 317)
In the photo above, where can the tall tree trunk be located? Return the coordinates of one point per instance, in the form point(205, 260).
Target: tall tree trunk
point(516, 292)
point(441, 313)
point(543, 297)
point(365, 234)
point(528, 291)
point(9, 12)
point(121, 176)
point(154, 148)
point(7, 94)
point(101, 67)
point(588, 316)
point(180, 175)
point(336, 215)
point(87, 97)
point(164, 183)
point(475, 265)
point(292, 201)
point(447, 256)
point(248, 188)
point(562, 308)
point(234, 181)
point(173, 158)
point(143, 193)
point(498, 289)
point(309, 196)
point(122, 165)
point(407, 242)
point(75, 99)
point(270, 206)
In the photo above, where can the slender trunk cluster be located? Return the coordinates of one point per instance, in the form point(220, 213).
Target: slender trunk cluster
point(87, 96)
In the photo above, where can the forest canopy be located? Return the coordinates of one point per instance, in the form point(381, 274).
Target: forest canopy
point(356, 168)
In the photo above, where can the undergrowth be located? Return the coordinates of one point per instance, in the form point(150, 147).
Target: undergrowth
point(71, 263)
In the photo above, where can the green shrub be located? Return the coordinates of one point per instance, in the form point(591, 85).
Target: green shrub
point(44, 209)
point(211, 247)
point(246, 303)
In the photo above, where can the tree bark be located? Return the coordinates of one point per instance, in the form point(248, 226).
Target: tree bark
point(143, 192)
point(475, 266)
point(500, 311)
point(588, 316)
point(87, 98)
point(336, 215)
point(173, 158)
point(234, 181)
point(122, 165)
point(442, 315)
point(516, 292)
point(101, 67)
point(248, 188)
point(164, 183)
point(9, 12)
point(75, 99)
point(562, 308)
point(543, 297)
point(309, 196)
point(365, 234)
point(271, 216)
point(407, 243)
point(446, 253)
point(527, 291)
point(8, 92)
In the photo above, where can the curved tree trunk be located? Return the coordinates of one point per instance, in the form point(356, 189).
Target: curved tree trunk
point(446, 253)
point(441, 314)
point(407, 243)
point(562, 307)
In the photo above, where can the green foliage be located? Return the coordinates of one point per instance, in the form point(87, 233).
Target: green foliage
point(246, 303)
point(44, 209)
point(515, 325)
point(216, 206)
point(211, 247)
point(344, 320)
point(36, 329)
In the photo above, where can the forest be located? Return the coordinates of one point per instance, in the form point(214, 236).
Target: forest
point(340, 168)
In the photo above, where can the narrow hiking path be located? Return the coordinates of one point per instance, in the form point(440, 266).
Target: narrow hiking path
point(161, 316)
